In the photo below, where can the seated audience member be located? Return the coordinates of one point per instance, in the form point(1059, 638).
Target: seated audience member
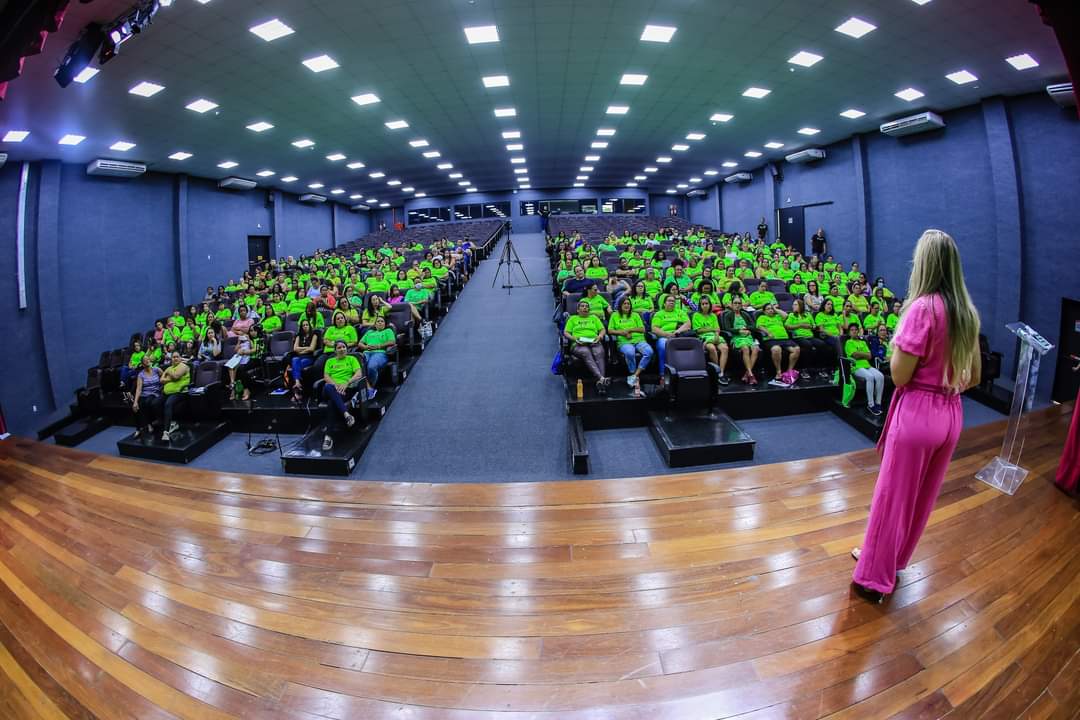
point(628, 330)
point(305, 344)
point(850, 317)
point(814, 352)
point(738, 322)
point(856, 349)
point(881, 347)
point(352, 316)
point(762, 297)
point(669, 321)
point(705, 292)
point(375, 343)
point(579, 283)
point(777, 340)
point(312, 315)
point(734, 292)
point(858, 301)
point(395, 296)
point(872, 320)
point(270, 321)
point(640, 299)
point(174, 384)
point(376, 308)
point(147, 400)
point(596, 269)
point(598, 304)
point(418, 296)
point(812, 297)
point(187, 352)
point(893, 318)
point(243, 324)
point(340, 330)
point(247, 350)
point(210, 347)
point(706, 325)
point(827, 322)
point(342, 374)
point(127, 372)
point(585, 333)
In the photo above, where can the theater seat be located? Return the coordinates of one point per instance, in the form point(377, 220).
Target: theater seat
point(691, 380)
point(277, 351)
point(207, 391)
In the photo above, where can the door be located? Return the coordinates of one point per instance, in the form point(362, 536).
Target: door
point(789, 227)
point(1067, 382)
point(258, 250)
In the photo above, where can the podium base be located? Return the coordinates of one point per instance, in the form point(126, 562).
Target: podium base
point(1003, 475)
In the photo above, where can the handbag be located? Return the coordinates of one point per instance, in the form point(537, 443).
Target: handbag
point(556, 364)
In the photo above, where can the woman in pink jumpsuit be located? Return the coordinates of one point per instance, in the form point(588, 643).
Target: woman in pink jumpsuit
point(925, 415)
point(1068, 472)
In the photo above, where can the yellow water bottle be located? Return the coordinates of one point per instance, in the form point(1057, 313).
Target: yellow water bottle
point(580, 389)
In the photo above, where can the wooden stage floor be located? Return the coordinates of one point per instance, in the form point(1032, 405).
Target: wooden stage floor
point(134, 590)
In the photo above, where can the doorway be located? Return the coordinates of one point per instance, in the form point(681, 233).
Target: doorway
point(1067, 382)
point(258, 250)
point(789, 227)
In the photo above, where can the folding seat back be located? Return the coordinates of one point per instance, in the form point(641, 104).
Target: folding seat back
point(692, 380)
point(208, 371)
point(280, 344)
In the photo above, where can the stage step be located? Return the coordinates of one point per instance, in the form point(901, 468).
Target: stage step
point(579, 446)
point(699, 438)
point(80, 430)
point(306, 456)
point(186, 444)
point(858, 417)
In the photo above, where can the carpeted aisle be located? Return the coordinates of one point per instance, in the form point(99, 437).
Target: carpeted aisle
point(481, 403)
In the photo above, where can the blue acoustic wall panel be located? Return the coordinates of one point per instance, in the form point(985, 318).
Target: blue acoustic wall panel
point(828, 188)
point(304, 227)
point(705, 211)
point(218, 225)
point(742, 205)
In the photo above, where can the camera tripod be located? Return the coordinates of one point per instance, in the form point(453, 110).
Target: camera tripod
point(509, 258)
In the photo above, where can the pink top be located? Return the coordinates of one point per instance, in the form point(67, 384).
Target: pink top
point(924, 331)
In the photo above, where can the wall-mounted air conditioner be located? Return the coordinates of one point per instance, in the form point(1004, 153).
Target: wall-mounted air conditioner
point(807, 155)
point(1062, 94)
point(312, 198)
point(359, 207)
point(739, 178)
point(115, 168)
point(923, 122)
point(698, 192)
point(235, 183)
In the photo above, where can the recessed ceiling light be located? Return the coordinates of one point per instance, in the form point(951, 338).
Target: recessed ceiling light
point(680, 147)
point(320, 63)
point(376, 175)
point(86, 74)
point(525, 186)
point(122, 146)
point(482, 34)
point(730, 164)
point(492, 81)
point(695, 179)
point(514, 147)
point(618, 109)
point(181, 155)
point(920, 2)
point(721, 117)
point(454, 175)
point(259, 126)
point(640, 177)
point(421, 194)
point(755, 92)
point(419, 143)
point(464, 183)
point(505, 112)
point(852, 114)
point(804, 58)
point(808, 131)
point(445, 166)
point(337, 191)
point(517, 160)
point(371, 201)
point(511, 134)
point(271, 30)
point(356, 165)
point(633, 79)
point(663, 159)
point(303, 143)
point(752, 154)
point(605, 132)
point(592, 158)
point(961, 77)
point(631, 184)
point(71, 139)
point(521, 171)
point(909, 94)
point(201, 105)
point(146, 89)
point(695, 136)
point(227, 165)
point(289, 178)
point(652, 169)
point(522, 179)
point(266, 173)
point(384, 204)
point(657, 33)
point(1022, 61)
point(585, 168)
point(579, 184)
point(315, 185)
point(855, 27)
point(712, 172)
point(670, 191)
point(773, 145)
point(432, 154)
point(366, 99)
point(14, 136)
point(356, 196)
point(682, 186)
point(598, 145)
point(582, 177)
point(408, 189)
point(396, 124)
point(335, 157)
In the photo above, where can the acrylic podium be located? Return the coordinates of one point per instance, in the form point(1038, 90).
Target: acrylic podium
point(1004, 471)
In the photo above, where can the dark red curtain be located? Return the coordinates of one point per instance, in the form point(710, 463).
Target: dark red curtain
point(1064, 17)
point(27, 25)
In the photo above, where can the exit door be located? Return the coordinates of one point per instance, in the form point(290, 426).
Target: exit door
point(258, 250)
point(1067, 382)
point(789, 227)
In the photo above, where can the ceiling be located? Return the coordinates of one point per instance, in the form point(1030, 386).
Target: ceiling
point(564, 59)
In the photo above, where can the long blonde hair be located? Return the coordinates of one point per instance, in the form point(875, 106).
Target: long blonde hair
point(936, 269)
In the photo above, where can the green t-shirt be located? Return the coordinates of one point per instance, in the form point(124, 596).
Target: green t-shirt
point(379, 337)
point(596, 273)
point(417, 297)
point(705, 325)
point(854, 346)
point(377, 284)
point(579, 327)
point(271, 323)
point(136, 359)
point(620, 322)
point(223, 314)
point(341, 370)
point(829, 324)
point(297, 306)
point(892, 321)
point(761, 298)
point(669, 321)
point(597, 304)
point(860, 303)
point(871, 322)
point(774, 326)
point(334, 333)
point(797, 288)
point(801, 326)
point(641, 304)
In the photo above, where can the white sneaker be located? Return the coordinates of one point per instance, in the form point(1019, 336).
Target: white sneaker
point(327, 443)
point(165, 436)
point(777, 382)
point(631, 380)
point(174, 426)
point(856, 552)
point(349, 420)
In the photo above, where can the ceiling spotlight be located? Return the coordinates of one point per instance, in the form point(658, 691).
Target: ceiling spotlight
point(72, 140)
point(227, 165)
point(730, 164)
point(598, 145)
point(1022, 61)
point(752, 154)
point(633, 79)
point(315, 185)
point(773, 145)
point(335, 157)
point(355, 165)
point(492, 81)
point(804, 58)
point(266, 173)
point(444, 166)
point(652, 169)
point(289, 179)
point(432, 154)
point(695, 136)
point(511, 134)
point(482, 34)
point(721, 117)
point(592, 158)
point(270, 30)
point(618, 109)
point(605, 132)
point(201, 105)
point(663, 159)
point(303, 143)
point(180, 155)
point(376, 175)
point(657, 33)
point(259, 127)
point(505, 112)
point(366, 99)
point(852, 114)
point(909, 94)
point(680, 147)
point(854, 27)
point(756, 92)
point(320, 63)
point(396, 124)
point(121, 146)
point(146, 89)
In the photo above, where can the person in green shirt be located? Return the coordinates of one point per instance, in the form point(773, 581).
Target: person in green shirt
point(850, 317)
point(596, 270)
point(814, 351)
point(628, 329)
point(762, 297)
point(668, 322)
point(858, 300)
point(298, 305)
point(376, 283)
point(640, 301)
point(827, 322)
point(652, 284)
point(894, 317)
point(340, 329)
point(873, 320)
point(134, 363)
point(858, 351)
point(585, 333)
point(706, 325)
point(418, 296)
point(797, 287)
point(771, 323)
point(340, 373)
point(375, 343)
point(271, 322)
point(598, 304)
